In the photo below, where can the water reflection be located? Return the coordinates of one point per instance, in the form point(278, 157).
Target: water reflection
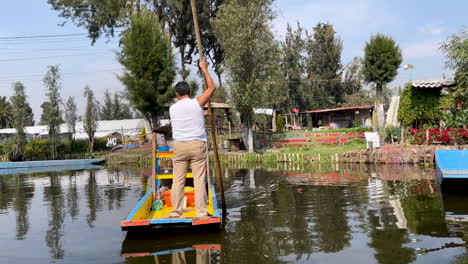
point(386, 214)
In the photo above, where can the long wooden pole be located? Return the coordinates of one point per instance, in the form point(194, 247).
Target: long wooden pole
point(212, 126)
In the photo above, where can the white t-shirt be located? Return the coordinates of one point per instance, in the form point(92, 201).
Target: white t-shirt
point(188, 122)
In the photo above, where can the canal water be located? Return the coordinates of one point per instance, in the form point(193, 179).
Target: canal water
point(355, 214)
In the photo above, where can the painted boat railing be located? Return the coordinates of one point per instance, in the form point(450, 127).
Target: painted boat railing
point(49, 163)
point(452, 164)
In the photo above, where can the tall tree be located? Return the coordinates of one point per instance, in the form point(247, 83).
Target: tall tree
point(5, 112)
point(293, 66)
point(29, 115)
point(71, 116)
point(352, 76)
point(120, 110)
point(148, 60)
point(382, 58)
point(45, 114)
point(53, 116)
point(455, 49)
point(19, 104)
point(91, 116)
point(323, 66)
point(243, 29)
point(106, 112)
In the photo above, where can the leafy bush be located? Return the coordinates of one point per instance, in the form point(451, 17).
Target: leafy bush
point(279, 123)
point(447, 136)
point(392, 134)
point(457, 118)
point(420, 107)
point(143, 133)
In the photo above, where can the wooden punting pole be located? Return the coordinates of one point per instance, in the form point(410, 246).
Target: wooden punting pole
point(212, 126)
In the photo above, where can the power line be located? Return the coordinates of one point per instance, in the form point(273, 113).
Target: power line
point(44, 36)
point(49, 57)
point(62, 74)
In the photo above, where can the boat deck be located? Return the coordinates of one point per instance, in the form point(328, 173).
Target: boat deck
point(452, 164)
point(190, 212)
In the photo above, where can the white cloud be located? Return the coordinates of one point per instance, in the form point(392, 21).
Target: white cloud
point(433, 29)
point(424, 48)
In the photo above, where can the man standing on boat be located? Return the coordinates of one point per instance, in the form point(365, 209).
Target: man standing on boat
point(188, 131)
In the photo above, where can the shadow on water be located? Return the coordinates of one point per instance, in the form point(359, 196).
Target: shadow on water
point(325, 214)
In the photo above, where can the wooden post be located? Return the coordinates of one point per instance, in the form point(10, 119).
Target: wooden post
point(212, 126)
point(318, 157)
point(427, 136)
point(153, 170)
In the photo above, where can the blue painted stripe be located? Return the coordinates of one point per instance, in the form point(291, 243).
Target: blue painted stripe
point(48, 163)
point(140, 203)
point(166, 252)
point(170, 221)
point(455, 176)
point(215, 201)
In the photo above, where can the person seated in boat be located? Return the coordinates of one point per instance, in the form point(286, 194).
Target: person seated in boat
point(189, 134)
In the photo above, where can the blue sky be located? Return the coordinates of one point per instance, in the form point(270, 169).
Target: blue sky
point(417, 26)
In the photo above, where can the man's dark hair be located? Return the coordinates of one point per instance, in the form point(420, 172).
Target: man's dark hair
point(182, 88)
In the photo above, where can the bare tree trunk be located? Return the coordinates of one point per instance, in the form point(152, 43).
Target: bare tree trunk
point(379, 109)
point(251, 139)
point(219, 80)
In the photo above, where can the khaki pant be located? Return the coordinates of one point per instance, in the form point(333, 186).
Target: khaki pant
point(194, 153)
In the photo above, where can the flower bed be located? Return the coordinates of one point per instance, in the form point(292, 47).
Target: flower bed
point(449, 136)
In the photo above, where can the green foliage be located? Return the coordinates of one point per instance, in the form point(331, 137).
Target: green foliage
point(359, 98)
point(39, 149)
point(113, 108)
point(251, 54)
point(98, 17)
point(419, 107)
point(292, 65)
point(279, 123)
point(52, 113)
point(5, 112)
point(19, 104)
point(456, 51)
point(323, 66)
point(382, 58)
point(353, 77)
point(71, 116)
point(149, 62)
point(90, 117)
point(143, 133)
point(456, 118)
point(392, 134)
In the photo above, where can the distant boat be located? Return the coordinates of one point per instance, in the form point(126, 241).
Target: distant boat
point(49, 163)
point(451, 164)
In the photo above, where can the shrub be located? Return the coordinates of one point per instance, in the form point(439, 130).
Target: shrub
point(420, 107)
point(449, 136)
point(279, 123)
point(143, 133)
point(392, 134)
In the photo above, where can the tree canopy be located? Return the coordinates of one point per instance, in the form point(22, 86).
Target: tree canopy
point(148, 60)
point(53, 114)
point(455, 49)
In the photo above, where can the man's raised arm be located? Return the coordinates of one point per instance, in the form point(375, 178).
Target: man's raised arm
point(203, 99)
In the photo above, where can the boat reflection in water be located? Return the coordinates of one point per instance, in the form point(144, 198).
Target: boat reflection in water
point(175, 249)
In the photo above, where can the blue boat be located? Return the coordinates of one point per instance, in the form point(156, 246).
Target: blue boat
point(50, 163)
point(451, 164)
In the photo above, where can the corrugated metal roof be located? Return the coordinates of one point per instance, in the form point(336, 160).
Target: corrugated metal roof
point(441, 83)
point(339, 109)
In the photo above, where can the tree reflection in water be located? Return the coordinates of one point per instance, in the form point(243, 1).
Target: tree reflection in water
point(53, 196)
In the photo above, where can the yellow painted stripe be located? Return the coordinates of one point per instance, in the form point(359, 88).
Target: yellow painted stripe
point(164, 155)
point(170, 176)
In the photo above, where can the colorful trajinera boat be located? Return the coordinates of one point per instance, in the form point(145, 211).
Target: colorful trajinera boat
point(152, 211)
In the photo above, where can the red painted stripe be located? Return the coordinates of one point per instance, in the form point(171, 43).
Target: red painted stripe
point(143, 222)
point(205, 221)
point(216, 247)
